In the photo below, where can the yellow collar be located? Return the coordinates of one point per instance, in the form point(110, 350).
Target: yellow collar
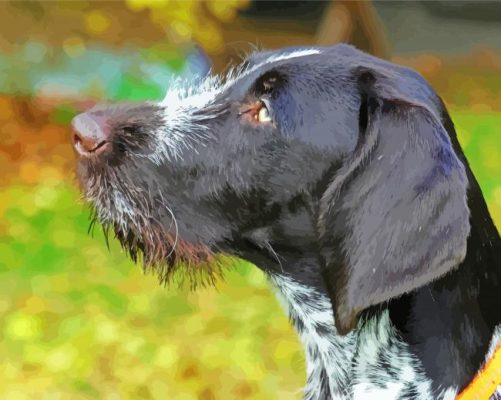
point(485, 382)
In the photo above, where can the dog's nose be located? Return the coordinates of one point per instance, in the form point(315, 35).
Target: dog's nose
point(91, 134)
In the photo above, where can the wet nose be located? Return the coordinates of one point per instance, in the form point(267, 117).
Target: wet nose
point(91, 135)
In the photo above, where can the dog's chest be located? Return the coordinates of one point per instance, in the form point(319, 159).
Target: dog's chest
point(368, 363)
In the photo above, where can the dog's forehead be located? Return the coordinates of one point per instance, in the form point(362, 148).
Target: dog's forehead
point(213, 89)
point(313, 62)
point(258, 63)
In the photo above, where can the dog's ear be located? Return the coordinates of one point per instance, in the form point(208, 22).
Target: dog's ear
point(394, 217)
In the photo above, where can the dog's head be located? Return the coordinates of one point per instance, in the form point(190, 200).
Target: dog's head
point(357, 141)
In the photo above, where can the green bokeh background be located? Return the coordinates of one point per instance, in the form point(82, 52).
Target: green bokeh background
point(80, 321)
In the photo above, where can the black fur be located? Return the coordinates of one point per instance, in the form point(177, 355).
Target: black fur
point(358, 189)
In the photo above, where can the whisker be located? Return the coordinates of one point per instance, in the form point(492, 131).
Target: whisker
point(270, 248)
point(176, 232)
point(106, 229)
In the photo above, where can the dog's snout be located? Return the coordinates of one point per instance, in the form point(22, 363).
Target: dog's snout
point(91, 134)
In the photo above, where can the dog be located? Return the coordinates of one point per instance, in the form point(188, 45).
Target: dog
point(339, 175)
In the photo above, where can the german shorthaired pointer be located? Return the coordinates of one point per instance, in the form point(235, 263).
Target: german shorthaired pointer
point(339, 175)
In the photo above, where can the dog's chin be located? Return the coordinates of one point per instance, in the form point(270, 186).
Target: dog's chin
point(172, 259)
point(151, 240)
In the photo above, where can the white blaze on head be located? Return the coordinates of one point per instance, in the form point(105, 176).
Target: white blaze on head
point(184, 97)
point(198, 93)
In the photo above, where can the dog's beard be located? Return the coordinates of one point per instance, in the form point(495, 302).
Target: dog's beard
point(168, 256)
point(148, 231)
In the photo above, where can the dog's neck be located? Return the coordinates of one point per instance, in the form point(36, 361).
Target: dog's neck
point(328, 355)
point(430, 342)
point(370, 362)
point(433, 354)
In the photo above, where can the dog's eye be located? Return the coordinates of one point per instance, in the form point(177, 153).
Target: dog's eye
point(263, 115)
point(258, 111)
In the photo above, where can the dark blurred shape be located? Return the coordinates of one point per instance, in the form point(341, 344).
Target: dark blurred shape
point(440, 27)
point(303, 23)
point(472, 10)
point(306, 10)
point(355, 22)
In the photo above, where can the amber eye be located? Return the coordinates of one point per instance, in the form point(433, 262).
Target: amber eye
point(263, 115)
point(258, 111)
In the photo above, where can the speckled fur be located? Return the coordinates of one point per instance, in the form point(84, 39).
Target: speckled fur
point(370, 362)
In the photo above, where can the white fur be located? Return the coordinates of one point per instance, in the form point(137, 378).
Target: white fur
point(495, 342)
point(320, 350)
point(351, 362)
point(185, 97)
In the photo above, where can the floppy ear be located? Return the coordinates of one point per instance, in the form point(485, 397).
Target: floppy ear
point(395, 215)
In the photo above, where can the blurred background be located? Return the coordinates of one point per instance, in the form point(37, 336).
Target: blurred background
point(79, 321)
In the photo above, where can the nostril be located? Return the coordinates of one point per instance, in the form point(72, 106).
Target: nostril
point(86, 144)
point(76, 139)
